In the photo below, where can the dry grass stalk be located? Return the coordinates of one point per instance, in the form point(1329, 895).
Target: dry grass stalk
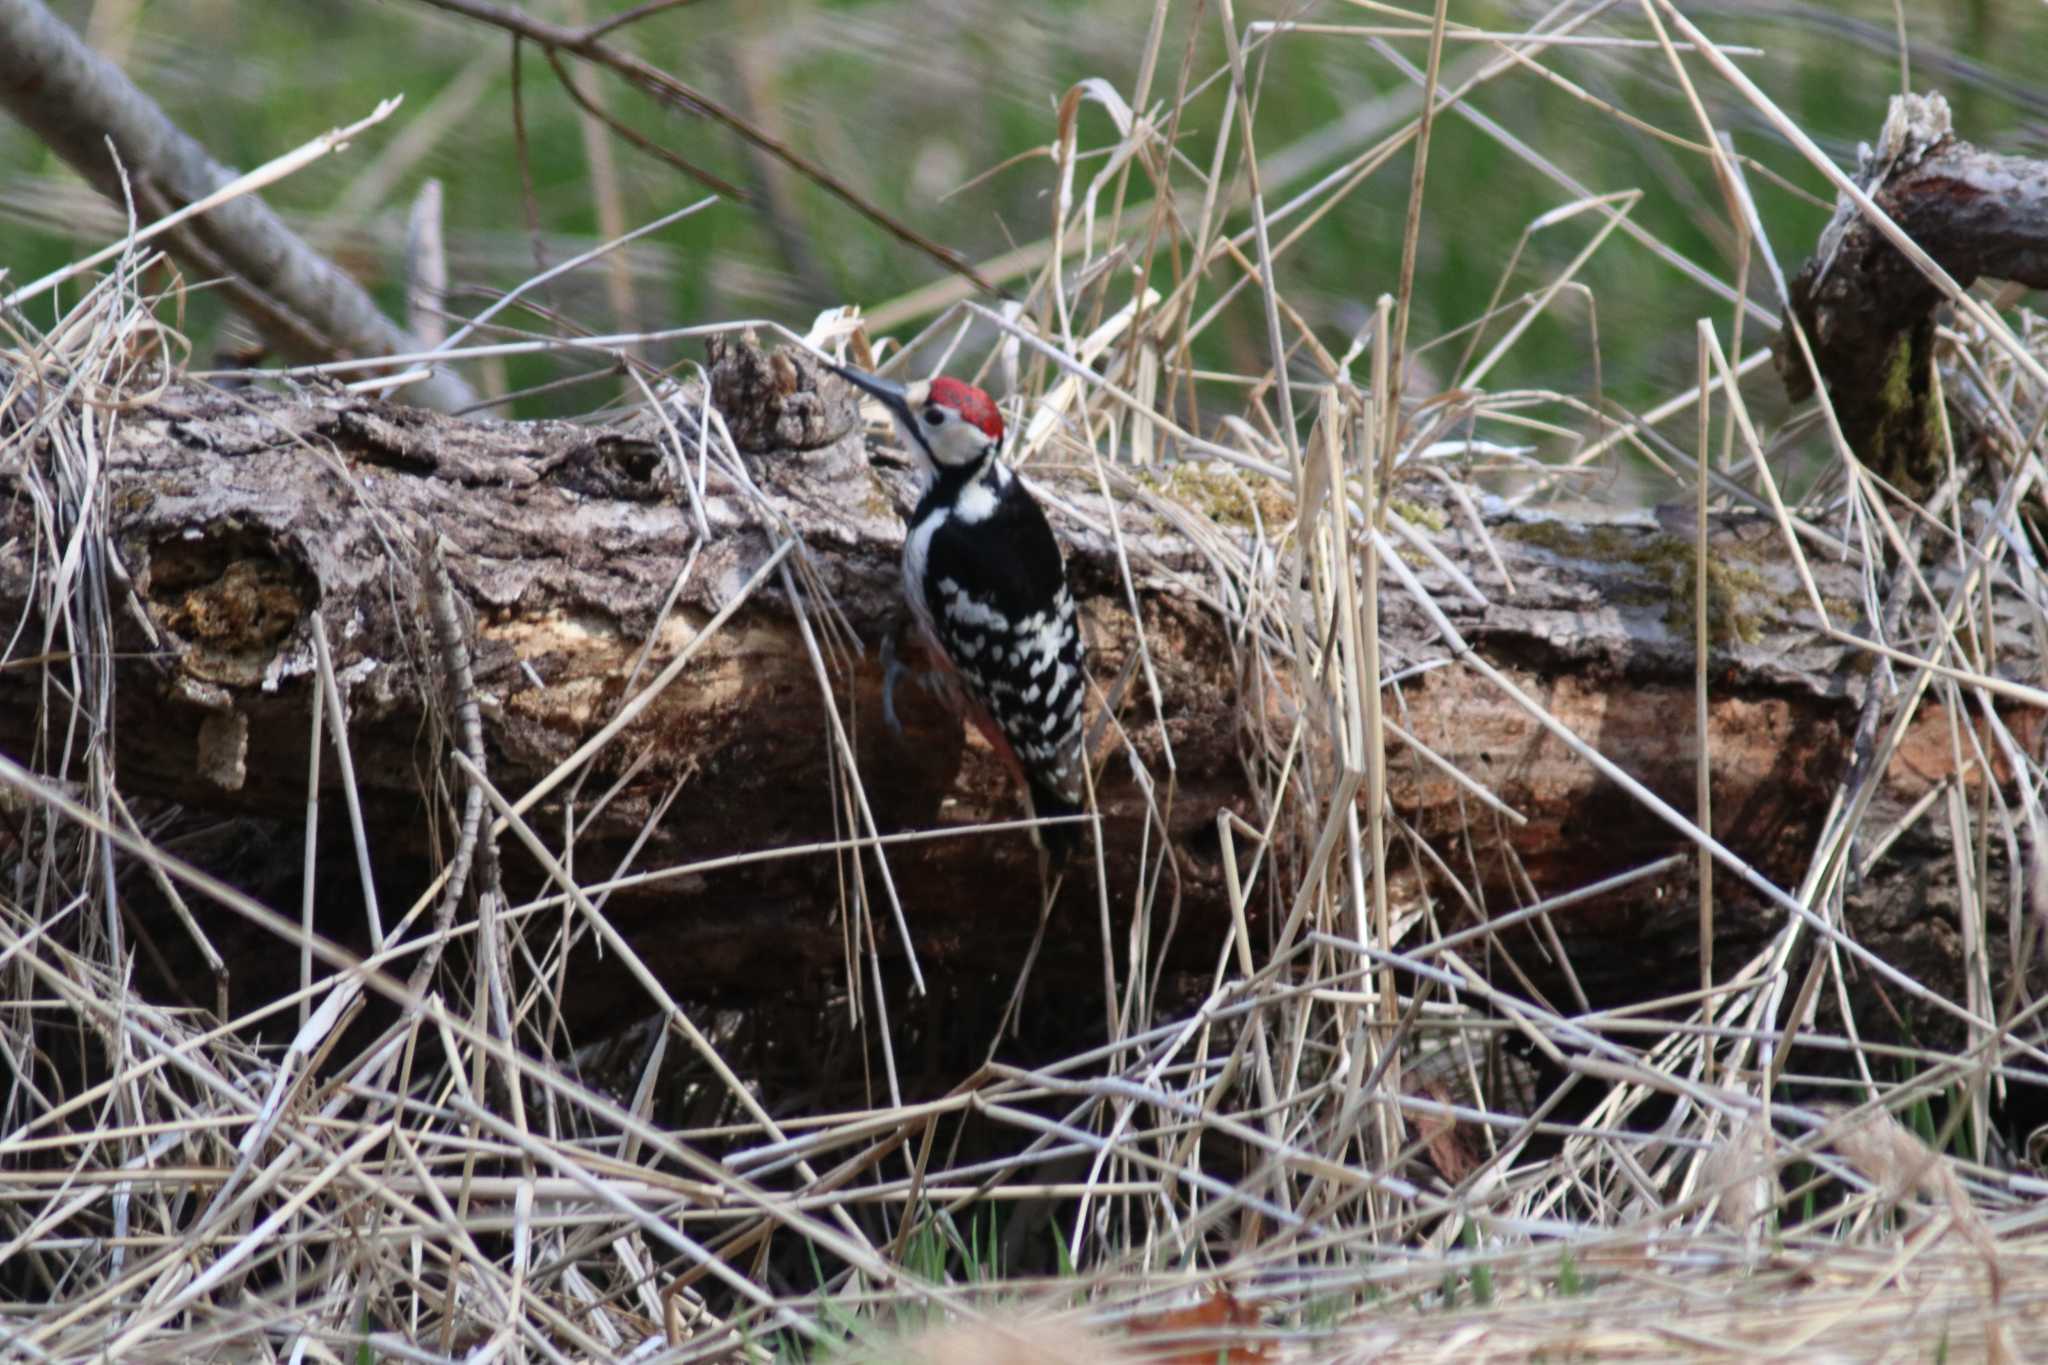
point(1334, 1119)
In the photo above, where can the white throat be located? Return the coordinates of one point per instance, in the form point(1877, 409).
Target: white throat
point(980, 494)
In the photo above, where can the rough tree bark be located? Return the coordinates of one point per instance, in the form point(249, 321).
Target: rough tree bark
point(1870, 314)
point(236, 515)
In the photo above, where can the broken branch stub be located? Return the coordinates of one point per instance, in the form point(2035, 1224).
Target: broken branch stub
point(1870, 314)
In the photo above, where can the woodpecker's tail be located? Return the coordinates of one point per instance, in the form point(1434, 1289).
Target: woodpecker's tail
point(1059, 841)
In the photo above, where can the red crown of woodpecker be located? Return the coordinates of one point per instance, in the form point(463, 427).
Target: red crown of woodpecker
point(974, 406)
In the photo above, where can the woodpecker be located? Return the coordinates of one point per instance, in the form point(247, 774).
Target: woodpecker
point(984, 579)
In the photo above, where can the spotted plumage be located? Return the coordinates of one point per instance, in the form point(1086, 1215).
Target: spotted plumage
point(984, 578)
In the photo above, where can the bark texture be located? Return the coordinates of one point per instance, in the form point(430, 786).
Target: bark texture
point(236, 515)
point(1870, 314)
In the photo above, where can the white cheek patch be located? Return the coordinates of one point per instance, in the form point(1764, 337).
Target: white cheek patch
point(958, 443)
point(927, 458)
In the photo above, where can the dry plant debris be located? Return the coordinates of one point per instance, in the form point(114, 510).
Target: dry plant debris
point(403, 1153)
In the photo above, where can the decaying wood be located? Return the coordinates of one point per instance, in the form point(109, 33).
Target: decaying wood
point(1870, 314)
point(237, 514)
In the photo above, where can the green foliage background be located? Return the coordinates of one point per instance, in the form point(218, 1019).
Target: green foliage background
point(908, 99)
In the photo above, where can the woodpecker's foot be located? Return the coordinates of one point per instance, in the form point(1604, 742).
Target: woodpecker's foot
point(909, 656)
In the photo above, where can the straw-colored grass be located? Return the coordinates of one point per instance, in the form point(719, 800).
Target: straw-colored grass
point(458, 1183)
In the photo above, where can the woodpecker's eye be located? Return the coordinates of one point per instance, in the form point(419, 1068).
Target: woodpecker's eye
point(934, 415)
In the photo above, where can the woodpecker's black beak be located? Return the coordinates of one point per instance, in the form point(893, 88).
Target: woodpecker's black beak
point(894, 395)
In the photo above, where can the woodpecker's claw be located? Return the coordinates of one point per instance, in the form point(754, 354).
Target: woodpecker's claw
point(893, 670)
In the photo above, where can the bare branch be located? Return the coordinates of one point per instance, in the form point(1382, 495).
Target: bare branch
point(664, 86)
point(75, 100)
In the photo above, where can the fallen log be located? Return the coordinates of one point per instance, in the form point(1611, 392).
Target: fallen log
point(582, 563)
